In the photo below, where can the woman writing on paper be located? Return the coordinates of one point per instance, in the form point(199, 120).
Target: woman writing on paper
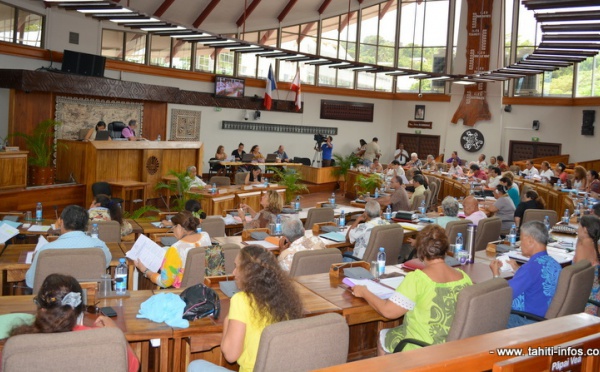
point(433, 290)
point(171, 270)
point(267, 296)
point(272, 205)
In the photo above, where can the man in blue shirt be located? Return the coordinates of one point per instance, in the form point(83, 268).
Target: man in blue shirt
point(534, 283)
point(327, 149)
point(72, 224)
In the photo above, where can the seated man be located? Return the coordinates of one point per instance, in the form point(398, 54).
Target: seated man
point(530, 170)
point(72, 223)
point(193, 176)
point(414, 162)
point(294, 241)
point(494, 177)
point(453, 156)
point(450, 207)
point(376, 166)
point(394, 169)
point(476, 172)
point(398, 200)
point(282, 155)
point(534, 283)
point(471, 209)
point(360, 231)
point(430, 164)
point(418, 182)
point(455, 170)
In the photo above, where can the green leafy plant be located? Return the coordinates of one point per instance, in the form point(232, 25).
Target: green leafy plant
point(367, 184)
point(291, 180)
point(179, 188)
point(343, 164)
point(139, 213)
point(40, 144)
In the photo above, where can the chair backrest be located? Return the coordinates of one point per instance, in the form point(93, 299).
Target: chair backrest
point(303, 344)
point(314, 261)
point(108, 231)
point(417, 201)
point(230, 252)
point(481, 308)
point(213, 163)
point(428, 196)
point(389, 237)
point(488, 230)
point(80, 263)
point(115, 128)
point(219, 181)
point(94, 350)
point(526, 187)
point(573, 290)
point(194, 270)
point(101, 188)
point(539, 215)
point(214, 226)
point(433, 187)
point(455, 227)
point(305, 161)
point(317, 215)
point(240, 178)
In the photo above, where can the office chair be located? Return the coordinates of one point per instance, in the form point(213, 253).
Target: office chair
point(102, 187)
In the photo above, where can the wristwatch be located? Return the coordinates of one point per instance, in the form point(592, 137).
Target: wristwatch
point(145, 272)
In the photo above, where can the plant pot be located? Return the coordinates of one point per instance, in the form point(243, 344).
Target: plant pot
point(41, 176)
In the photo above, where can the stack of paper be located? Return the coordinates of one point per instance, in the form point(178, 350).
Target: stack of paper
point(7, 231)
point(377, 289)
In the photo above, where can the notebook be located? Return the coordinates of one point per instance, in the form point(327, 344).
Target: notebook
point(247, 158)
point(335, 236)
point(271, 158)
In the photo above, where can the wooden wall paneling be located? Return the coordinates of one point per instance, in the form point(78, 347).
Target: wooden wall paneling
point(26, 110)
point(71, 159)
point(422, 144)
point(187, 158)
point(26, 200)
point(522, 150)
point(14, 169)
point(155, 120)
point(152, 169)
point(129, 164)
point(250, 198)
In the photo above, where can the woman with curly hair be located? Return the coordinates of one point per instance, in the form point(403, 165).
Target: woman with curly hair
point(267, 296)
point(60, 309)
point(272, 205)
point(579, 178)
point(427, 297)
point(587, 249)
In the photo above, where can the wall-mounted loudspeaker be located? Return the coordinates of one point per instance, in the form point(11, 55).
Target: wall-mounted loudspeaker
point(587, 127)
point(536, 125)
point(83, 63)
point(507, 108)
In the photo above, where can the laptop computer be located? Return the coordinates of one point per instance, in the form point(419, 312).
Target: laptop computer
point(102, 135)
point(247, 158)
point(82, 134)
point(271, 158)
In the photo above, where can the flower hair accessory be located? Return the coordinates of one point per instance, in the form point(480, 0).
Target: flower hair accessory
point(72, 299)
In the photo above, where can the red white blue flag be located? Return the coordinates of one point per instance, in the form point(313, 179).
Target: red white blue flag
point(270, 88)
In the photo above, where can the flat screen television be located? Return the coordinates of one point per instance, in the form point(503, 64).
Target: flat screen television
point(229, 87)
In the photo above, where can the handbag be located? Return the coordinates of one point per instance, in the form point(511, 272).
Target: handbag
point(200, 302)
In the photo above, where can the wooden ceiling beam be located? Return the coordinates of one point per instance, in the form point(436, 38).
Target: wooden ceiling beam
point(385, 9)
point(247, 12)
point(205, 13)
point(324, 6)
point(163, 7)
point(286, 10)
point(346, 21)
point(305, 31)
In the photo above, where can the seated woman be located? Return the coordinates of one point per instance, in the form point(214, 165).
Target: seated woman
point(588, 235)
point(427, 298)
point(376, 166)
point(532, 201)
point(503, 207)
point(104, 209)
point(272, 205)
point(173, 265)
point(196, 181)
point(559, 171)
point(267, 296)
point(91, 134)
point(254, 176)
point(450, 206)
point(513, 192)
point(258, 157)
point(579, 178)
point(593, 184)
point(220, 155)
point(60, 309)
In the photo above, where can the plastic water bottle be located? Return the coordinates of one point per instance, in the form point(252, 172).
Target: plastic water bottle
point(512, 235)
point(566, 216)
point(459, 243)
point(381, 261)
point(213, 190)
point(38, 212)
point(297, 204)
point(422, 208)
point(94, 233)
point(332, 199)
point(342, 219)
point(558, 184)
point(376, 192)
point(266, 183)
point(158, 138)
point(472, 188)
point(278, 225)
point(121, 277)
point(199, 230)
point(388, 213)
point(547, 223)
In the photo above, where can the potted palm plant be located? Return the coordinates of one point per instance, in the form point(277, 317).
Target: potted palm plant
point(367, 184)
point(342, 165)
point(291, 180)
point(41, 148)
point(179, 188)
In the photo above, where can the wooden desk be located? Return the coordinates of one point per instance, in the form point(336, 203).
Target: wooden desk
point(13, 267)
point(14, 169)
point(479, 353)
point(123, 188)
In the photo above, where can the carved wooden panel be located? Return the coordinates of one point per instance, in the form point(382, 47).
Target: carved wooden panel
point(342, 110)
point(422, 144)
point(185, 125)
point(522, 150)
point(279, 128)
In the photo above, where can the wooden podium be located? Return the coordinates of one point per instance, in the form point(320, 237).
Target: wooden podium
point(118, 161)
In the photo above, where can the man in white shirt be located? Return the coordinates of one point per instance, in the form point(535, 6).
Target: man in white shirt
point(401, 154)
point(360, 231)
point(372, 151)
point(481, 162)
point(530, 169)
point(494, 176)
point(547, 173)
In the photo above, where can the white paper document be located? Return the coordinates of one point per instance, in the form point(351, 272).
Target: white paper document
point(377, 289)
point(392, 282)
point(7, 232)
point(147, 251)
point(263, 243)
point(39, 228)
point(41, 242)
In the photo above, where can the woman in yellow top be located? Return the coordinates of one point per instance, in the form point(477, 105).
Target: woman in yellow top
point(267, 296)
point(220, 155)
point(257, 155)
point(171, 271)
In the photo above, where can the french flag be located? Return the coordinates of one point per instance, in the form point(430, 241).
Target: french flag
point(270, 88)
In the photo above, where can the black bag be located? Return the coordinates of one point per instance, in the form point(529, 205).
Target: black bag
point(200, 302)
